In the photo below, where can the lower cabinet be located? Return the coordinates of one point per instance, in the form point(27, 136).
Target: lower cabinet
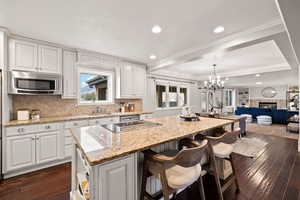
point(118, 180)
point(20, 151)
point(33, 149)
point(47, 147)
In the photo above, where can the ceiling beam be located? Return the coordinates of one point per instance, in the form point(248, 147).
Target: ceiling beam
point(223, 45)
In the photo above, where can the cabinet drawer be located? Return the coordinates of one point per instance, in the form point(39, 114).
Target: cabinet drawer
point(73, 124)
point(68, 140)
point(50, 127)
point(21, 130)
point(68, 150)
point(103, 121)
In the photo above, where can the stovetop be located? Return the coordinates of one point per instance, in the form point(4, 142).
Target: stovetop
point(129, 126)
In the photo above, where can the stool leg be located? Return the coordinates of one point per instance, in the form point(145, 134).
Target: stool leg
point(164, 185)
point(215, 172)
point(144, 180)
point(201, 188)
point(234, 173)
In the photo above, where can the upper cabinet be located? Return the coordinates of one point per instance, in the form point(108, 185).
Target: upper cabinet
point(50, 59)
point(30, 56)
point(132, 80)
point(69, 75)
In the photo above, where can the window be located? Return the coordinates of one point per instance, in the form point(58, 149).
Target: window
point(161, 96)
point(173, 100)
point(228, 97)
point(95, 87)
point(171, 96)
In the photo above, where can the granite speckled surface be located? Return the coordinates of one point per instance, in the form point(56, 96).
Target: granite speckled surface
point(68, 118)
point(100, 145)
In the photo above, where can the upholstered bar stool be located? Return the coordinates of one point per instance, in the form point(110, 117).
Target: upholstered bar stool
point(175, 172)
point(222, 150)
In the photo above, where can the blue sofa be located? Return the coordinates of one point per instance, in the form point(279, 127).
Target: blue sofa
point(279, 116)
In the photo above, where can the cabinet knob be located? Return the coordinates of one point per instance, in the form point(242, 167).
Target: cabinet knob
point(37, 137)
point(75, 124)
point(33, 138)
point(97, 122)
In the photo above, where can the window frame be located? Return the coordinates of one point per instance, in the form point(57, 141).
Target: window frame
point(110, 85)
point(172, 84)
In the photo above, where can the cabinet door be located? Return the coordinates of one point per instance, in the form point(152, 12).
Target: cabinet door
point(118, 180)
point(139, 81)
point(47, 146)
point(23, 55)
point(50, 59)
point(20, 152)
point(69, 75)
point(127, 80)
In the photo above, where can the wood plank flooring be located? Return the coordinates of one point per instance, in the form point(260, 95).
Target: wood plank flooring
point(274, 174)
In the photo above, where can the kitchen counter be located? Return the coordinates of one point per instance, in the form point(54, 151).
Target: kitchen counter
point(69, 118)
point(100, 145)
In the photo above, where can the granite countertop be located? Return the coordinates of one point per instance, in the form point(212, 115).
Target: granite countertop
point(100, 145)
point(69, 118)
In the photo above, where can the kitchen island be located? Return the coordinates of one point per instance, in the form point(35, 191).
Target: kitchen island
point(107, 164)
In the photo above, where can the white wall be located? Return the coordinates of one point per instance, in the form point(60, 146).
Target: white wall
point(255, 92)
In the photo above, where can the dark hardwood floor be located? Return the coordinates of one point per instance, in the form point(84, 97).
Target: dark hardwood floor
point(274, 175)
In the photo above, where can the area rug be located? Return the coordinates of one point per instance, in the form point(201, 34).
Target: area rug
point(249, 147)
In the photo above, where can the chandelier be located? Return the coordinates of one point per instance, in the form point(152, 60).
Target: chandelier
point(214, 83)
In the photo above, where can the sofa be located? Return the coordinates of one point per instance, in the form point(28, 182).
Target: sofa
point(279, 116)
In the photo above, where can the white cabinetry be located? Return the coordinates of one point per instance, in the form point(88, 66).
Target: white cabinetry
point(47, 147)
point(32, 145)
point(132, 80)
point(146, 116)
point(23, 55)
point(50, 59)
point(30, 56)
point(69, 75)
point(20, 151)
point(118, 176)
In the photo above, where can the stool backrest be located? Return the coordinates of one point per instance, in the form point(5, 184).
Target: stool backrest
point(191, 156)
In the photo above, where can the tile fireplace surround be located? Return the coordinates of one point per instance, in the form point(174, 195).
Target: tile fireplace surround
point(281, 103)
point(52, 106)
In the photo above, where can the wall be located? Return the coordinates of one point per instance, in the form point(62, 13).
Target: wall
point(280, 98)
point(51, 106)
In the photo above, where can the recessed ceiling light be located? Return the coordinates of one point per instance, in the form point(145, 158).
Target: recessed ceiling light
point(226, 79)
point(219, 29)
point(258, 83)
point(152, 57)
point(156, 29)
point(257, 75)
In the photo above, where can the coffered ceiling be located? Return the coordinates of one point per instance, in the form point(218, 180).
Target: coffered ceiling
point(123, 28)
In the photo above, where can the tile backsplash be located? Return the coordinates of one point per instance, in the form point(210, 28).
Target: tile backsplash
point(52, 106)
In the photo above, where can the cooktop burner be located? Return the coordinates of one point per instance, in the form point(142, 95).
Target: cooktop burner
point(129, 126)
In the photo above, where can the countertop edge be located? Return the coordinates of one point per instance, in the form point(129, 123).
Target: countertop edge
point(67, 118)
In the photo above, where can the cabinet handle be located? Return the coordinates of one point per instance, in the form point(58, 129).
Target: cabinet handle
point(33, 138)
point(20, 130)
point(47, 127)
point(75, 124)
point(37, 137)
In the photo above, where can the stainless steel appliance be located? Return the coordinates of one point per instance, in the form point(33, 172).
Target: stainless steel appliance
point(34, 83)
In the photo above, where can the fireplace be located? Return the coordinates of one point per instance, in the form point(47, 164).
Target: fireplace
point(272, 105)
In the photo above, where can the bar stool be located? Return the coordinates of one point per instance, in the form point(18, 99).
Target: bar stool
point(175, 172)
point(223, 151)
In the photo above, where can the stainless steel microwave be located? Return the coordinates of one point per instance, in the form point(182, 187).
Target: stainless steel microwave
point(34, 83)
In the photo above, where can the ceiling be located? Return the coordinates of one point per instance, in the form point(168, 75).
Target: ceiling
point(123, 28)
point(258, 58)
